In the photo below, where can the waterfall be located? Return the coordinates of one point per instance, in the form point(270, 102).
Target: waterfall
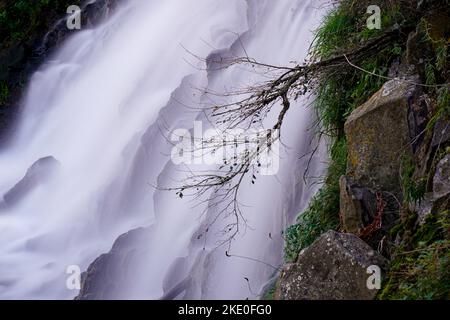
point(82, 166)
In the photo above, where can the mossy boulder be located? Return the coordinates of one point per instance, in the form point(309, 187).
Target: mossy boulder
point(334, 267)
point(378, 136)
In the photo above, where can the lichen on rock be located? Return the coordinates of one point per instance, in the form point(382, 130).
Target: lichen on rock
point(378, 136)
point(333, 267)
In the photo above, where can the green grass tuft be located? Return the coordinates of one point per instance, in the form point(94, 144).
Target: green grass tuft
point(420, 268)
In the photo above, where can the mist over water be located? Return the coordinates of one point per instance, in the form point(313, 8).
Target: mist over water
point(89, 149)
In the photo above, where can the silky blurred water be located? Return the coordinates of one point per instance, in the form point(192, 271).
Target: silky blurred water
point(96, 108)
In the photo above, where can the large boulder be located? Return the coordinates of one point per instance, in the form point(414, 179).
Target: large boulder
point(378, 136)
point(441, 179)
point(334, 267)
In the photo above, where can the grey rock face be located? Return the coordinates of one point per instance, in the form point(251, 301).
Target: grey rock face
point(355, 204)
point(333, 267)
point(38, 173)
point(378, 135)
point(109, 276)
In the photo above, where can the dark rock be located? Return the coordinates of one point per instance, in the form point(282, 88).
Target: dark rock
point(441, 179)
point(97, 12)
point(423, 208)
point(109, 276)
point(441, 204)
point(441, 134)
point(333, 267)
point(378, 136)
point(438, 28)
point(439, 199)
point(38, 173)
point(360, 207)
point(418, 120)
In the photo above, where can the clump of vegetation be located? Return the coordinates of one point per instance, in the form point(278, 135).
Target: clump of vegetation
point(21, 18)
point(420, 267)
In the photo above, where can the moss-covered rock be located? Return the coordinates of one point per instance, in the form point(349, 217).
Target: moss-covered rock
point(378, 137)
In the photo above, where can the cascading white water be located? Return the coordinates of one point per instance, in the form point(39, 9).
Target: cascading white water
point(92, 115)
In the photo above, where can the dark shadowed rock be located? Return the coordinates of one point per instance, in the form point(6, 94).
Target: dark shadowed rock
point(441, 179)
point(361, 206)
point(418, 120)
point(378, 136)
point(423, 208)
point(333, 267)
point(109, 276)
point(441, 133)
point(355, 204)
point(91, 15)
point(38, 173)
